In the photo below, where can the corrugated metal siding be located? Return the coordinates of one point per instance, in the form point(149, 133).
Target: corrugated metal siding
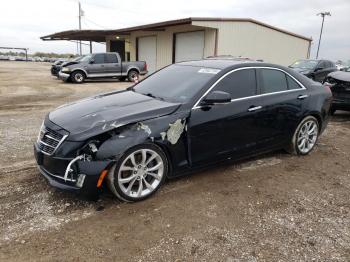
point(165, 42)
point(256, 41)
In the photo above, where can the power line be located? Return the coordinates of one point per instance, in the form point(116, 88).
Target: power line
point(92, 22)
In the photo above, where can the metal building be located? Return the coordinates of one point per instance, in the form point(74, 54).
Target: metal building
point(163, 43)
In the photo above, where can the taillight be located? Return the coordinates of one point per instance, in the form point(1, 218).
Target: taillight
point(145, 66)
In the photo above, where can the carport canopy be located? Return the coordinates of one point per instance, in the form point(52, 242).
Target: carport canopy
point(100, 35)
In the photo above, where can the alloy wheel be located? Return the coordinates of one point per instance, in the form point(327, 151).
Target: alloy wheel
point(140, 173)
point(307, 136)
point(78, 77)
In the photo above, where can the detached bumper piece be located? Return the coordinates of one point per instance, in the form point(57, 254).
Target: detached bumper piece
point(78, 175)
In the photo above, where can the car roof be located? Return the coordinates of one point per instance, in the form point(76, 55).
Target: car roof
point(216, 63)
point(228, 63)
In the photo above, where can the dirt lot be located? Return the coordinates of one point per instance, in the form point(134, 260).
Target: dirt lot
point(275, 207)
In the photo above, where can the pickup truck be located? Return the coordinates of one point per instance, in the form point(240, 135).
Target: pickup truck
point(101, 65)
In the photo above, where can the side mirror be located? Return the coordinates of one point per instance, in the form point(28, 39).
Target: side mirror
point(216, 97)
point(91, 61)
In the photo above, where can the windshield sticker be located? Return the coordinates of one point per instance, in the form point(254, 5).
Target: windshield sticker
point(208, 71)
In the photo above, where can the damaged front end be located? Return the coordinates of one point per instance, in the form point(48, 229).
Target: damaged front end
point(81, 166)
point(68, 165)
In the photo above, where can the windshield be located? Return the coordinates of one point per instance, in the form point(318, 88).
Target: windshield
point(84, 58)
point(78, 58)
point(176, 83)
point(305, 64)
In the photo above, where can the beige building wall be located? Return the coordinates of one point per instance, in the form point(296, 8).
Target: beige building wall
point(235, 38)
point(165, 42)
point(256, 41)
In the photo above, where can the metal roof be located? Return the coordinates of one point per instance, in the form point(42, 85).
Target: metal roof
point(99, 35)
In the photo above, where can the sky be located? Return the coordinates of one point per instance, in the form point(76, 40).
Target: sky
point(22, 22)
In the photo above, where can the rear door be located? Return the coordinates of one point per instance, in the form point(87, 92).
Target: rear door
point(112, 65)
point(282, 100)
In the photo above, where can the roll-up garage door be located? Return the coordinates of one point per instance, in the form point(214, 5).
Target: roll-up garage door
point(147, 51)
point(189, 46)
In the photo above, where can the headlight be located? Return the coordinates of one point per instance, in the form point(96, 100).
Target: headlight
point(65, 69)
point(41, 131)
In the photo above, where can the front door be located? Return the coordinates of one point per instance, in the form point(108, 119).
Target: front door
point(97, 65)
point(226, 130)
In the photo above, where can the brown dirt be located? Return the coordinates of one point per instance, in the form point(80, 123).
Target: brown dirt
point(275, 207)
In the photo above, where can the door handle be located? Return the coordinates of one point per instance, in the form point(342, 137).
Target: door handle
point(254, 108)
point(302, 97)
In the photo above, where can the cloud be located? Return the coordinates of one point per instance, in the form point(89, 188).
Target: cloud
point(23, 22)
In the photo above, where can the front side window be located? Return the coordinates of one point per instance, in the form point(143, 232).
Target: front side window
point(239, 84)
point(272, 81)
point(99, 59)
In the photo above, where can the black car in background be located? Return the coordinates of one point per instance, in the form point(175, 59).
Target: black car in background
point(317, 70)
point(339, 83)
point(184, 117)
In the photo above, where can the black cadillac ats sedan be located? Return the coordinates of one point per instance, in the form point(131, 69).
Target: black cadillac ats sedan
point(184, 117)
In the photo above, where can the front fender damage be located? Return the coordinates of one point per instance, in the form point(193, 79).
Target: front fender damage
point(166, 130)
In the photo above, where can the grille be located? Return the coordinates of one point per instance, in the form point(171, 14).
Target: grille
point(49, 140)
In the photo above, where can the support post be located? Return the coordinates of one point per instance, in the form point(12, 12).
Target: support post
point(90, 47)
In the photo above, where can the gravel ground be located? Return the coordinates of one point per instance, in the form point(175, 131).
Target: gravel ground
point(276, 207)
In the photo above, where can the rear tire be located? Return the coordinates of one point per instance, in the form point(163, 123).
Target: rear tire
point(139, 173)
point(132, 75)
point(305, 137)
point(78, 77)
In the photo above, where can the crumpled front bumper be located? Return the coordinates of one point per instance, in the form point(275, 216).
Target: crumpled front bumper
point(63, 76)
point(82, 178)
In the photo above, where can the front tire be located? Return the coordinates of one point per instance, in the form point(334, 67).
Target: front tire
point(78, 77)
point(305, 136)
point(139, 173)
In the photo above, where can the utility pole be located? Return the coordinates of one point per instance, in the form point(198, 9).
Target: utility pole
point(80, 15)
point(323, 14)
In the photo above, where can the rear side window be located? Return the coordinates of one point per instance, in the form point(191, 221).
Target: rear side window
point(292, 84)
point(111, 58)
point(241, 83)
point(99, 59)
point(272, 81)
point(331, 64)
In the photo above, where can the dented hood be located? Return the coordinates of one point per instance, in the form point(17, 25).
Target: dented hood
point(340, 75)
point(98, 114)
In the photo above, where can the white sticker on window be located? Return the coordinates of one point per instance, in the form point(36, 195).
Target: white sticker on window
point(208, 71)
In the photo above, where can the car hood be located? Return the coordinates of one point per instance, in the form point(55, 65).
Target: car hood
point(69, 63)
point(98, 114)
point(340, 75)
